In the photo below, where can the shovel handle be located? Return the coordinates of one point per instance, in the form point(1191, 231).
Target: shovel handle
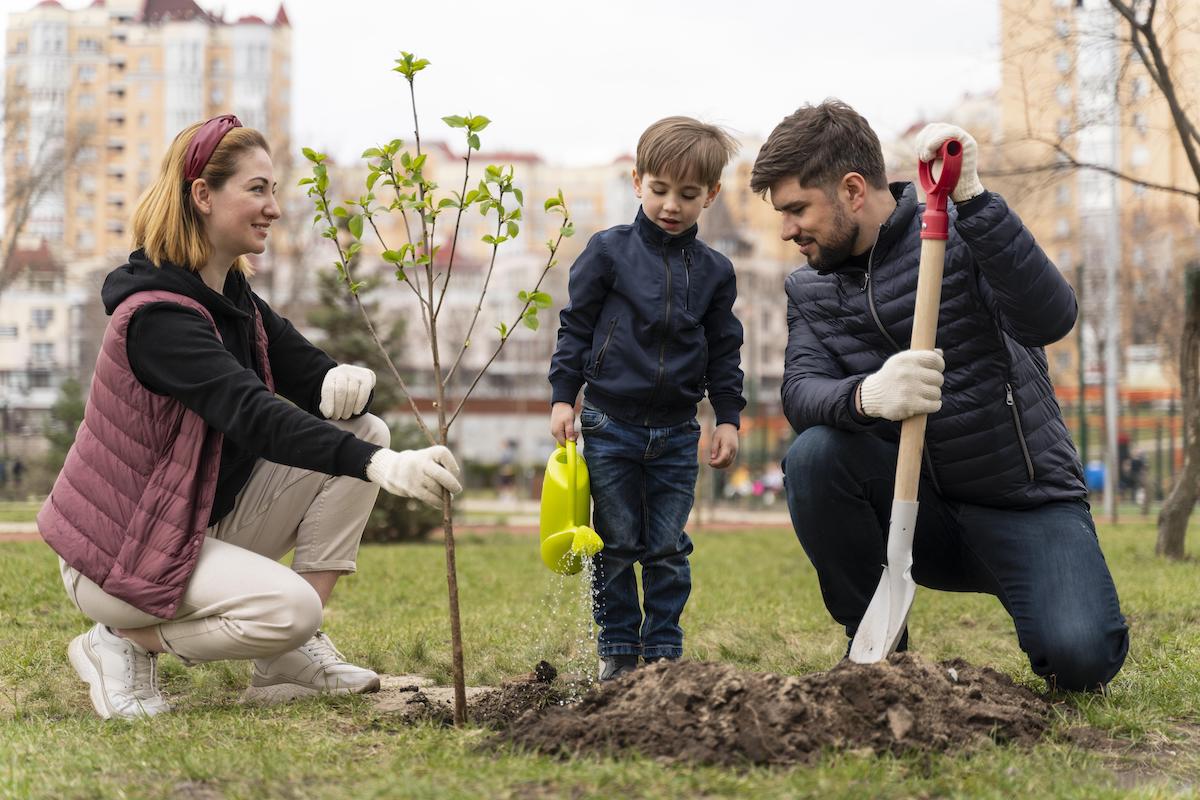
point(935, 222)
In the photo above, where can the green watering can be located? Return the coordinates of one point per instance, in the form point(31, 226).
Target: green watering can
point(566, 539)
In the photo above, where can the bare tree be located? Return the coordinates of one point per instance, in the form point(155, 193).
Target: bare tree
point(37, 175)
point(1145, 29)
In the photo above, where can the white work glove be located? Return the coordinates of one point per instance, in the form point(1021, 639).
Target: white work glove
point(908, 383)
point(416, 473)
point(930, 140)
point(345, 391)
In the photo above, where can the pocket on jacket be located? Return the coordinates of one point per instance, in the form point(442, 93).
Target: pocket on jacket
point(609, 330)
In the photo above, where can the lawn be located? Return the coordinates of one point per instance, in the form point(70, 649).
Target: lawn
point(755, 604)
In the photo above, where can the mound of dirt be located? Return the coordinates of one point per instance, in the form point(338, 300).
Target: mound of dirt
point(716, 714)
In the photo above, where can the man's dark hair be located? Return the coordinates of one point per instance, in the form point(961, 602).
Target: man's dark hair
point(818, 145)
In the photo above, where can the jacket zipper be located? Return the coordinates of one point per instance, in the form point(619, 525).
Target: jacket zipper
point(600, 358)
point(879, 324)
point(1016, 415)
point(662, 346)
point(687, 280)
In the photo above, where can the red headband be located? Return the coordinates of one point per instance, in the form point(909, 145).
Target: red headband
point(205, 142)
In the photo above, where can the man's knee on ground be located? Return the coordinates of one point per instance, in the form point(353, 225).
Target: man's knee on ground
point(1081, 658)
point(806, 466)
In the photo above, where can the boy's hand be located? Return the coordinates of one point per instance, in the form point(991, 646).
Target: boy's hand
point(562, 423)
point(724, 447)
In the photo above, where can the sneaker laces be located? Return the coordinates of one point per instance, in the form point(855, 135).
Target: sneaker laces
point(145, 675)
point(321, 648)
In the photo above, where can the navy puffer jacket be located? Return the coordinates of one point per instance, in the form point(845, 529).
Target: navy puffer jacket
point(999, 438)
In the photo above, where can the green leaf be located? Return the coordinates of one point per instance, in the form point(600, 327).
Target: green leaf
point(312, 155)
point(503, 330)
point(477, 123)
point(487, 238)
point(567, 230)
point(447, 202)
point(552, 202)
point(356, 225)
point(353, 249)
point(513, 229)
point(354, 287)
point(400, 276)
point(393, 256)
point(530, 319)
point(372, 152)
point(473, 141)
point(340, 212)
point(519, 195)
point(455, 121)
point(541, 299)
point(305, 181)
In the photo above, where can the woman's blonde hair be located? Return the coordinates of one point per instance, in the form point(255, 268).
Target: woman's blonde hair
point(165, 222)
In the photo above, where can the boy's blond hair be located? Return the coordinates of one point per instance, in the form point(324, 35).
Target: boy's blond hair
point(685, 149)
point(165, 223)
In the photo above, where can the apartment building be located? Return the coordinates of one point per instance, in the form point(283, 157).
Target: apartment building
point(1072, 88)
point(94, 95)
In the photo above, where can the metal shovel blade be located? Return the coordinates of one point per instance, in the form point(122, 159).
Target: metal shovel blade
point(883, 624)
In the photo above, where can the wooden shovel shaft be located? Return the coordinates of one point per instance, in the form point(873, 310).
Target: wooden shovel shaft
point(925, 320)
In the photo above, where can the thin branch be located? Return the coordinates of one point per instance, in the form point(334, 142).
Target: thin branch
point(370, 327)
point(512, 328)
point(457, 222)
point(483, 292)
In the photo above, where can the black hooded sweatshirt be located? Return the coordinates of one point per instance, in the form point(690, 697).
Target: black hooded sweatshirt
point(174, 351)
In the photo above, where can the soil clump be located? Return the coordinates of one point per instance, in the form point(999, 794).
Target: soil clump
point(711, 713)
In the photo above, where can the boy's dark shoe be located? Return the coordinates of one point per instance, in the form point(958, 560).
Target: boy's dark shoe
point(656, 659)
point(612, 667)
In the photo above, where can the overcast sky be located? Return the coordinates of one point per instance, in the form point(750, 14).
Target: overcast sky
point(577, 82)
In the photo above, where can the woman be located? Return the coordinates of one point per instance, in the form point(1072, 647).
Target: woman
point(189, 477)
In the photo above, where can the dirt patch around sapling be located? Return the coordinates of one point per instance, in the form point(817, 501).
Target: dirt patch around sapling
point(710, 713)
point(414, 699)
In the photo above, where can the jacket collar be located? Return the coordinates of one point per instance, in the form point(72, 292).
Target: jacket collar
point(896, 225)
point(657, 237)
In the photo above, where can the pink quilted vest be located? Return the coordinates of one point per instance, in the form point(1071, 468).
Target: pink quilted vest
point(130, 507)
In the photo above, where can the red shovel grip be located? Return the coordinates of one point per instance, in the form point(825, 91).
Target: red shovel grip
point(935, 223)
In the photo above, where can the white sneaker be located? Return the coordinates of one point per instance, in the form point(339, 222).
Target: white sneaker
point(123, 677)
point(316, 667)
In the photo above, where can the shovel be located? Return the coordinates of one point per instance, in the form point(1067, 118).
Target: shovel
point(566, 539)
point(882, 625)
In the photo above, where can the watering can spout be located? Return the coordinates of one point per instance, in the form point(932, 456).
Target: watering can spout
point(566, 540)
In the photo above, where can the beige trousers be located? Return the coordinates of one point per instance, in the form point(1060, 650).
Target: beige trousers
point(240, 601)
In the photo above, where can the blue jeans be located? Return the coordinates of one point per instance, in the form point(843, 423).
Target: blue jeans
point(643, 484)
point(1043, 563)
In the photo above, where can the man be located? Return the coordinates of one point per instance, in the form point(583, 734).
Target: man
point(1003, 506)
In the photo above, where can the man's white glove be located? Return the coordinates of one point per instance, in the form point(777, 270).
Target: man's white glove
point(930, 140)
point(908, 383)
point(416, 473)
point(345, 391)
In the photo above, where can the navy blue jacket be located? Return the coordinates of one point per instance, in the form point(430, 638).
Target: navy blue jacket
point(999, 439)
point(649, 327)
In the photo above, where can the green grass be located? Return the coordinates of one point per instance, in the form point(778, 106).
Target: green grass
point(755, 603)
point(18, 510)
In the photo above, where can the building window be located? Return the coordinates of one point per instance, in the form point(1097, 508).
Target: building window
point(1139, 123)
point(1138, 256)
point(145, 91)
point(1064, 127)
point(1064, 258)
point(1062, 195)
point(87, 73)
point(1063, 61)
point(144, 151)
point(86, 100)
point(1062, 93)
point(1062, 228)
point(8, 331)
point(84, 211)
point(144, 64)
point(1140, 88)
point(1062, 28)
point(1139, 156)
point(41, 317)
point(41, 352)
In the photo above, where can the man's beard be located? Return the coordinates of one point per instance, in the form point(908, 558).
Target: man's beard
point(831, 254)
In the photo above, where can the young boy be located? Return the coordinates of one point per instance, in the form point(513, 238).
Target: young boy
point(649, 328)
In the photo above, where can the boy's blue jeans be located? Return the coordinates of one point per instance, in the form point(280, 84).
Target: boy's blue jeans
point(1043, 563)
point(643, 484)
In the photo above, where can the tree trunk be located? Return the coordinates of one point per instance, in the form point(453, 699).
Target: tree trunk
point(1173, 519)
